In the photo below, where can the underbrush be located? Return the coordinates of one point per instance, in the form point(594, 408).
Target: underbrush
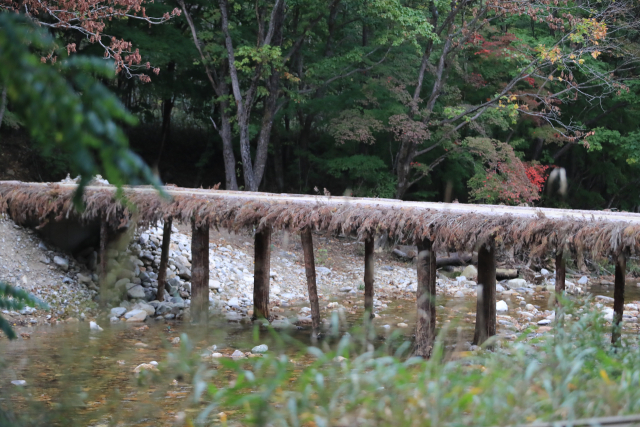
point(574, 373)
point(362, 379)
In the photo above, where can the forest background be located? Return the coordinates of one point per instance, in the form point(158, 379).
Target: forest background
point(475, 101)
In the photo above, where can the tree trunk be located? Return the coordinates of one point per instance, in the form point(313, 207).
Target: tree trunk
point(305, 135)
point(618, 298)
point(199, 273)
point(486, 305)
point(3, 103)
point(426, 300)
point(310, 269)
point(167, 107)
point(261, 274)
point(227, 149)
point(403, 167)
point(269, 113)
point(278, 163)
point(560, 276)
point(164, 258)
point(369, 266)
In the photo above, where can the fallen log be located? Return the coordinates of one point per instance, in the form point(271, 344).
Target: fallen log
point(454, 260)
point(506, 273)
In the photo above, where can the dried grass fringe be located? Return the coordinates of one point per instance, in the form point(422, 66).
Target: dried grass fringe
point(450, 231)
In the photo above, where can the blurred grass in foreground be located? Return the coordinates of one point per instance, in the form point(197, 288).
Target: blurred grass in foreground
point(574, 373)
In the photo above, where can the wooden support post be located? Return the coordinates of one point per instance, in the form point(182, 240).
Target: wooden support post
point(369, 266)
point(486, 305)
point(104, 236)
point(560, 275)
point(102, 260)
point(426, 299)
point(618, 297)
point(164, 258)
point(261, 274)
point(199, 273)
point(310, 269)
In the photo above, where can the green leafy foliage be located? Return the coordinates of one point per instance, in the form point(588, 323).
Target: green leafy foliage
point(64, 106)
point(570, 374)
point(16, 299)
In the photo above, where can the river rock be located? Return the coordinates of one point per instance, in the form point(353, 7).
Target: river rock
point(173, 285)
point(544, 322)
point(28, 310)
point(150, 294)
point(164, 308)
point(583, 280)
point(459, 294)
point(19, 382)
point(134, 312)
point(237, 354)
point(183, 272)
point(139, 316)
point(82, 278)
point(281, 324)
point(94, 327)
point(501, 306)
point(517, 283)
point(260, 349)
point(470, 272)
point(233, 316)
point(136, 292)
point(233, 302)
point(214, 284)
point(61, 262)
point(145, 367)
point(499, 288)
point(146, 307)
point(545, 272)
point(604, 298)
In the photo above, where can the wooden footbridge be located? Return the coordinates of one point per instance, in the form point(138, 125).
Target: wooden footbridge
point(431, 226)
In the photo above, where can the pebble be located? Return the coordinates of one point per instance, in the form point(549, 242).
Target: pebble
point(19, 382)
point(402, 325)
point(61, 262)
point(237, 354)
point(517, 283)
point(260, 349)
point(544, 322)
point(145, 367)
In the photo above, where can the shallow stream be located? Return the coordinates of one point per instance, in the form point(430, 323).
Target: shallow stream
point(89, 377)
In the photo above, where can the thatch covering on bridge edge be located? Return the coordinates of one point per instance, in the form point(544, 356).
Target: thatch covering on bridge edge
point(452, 226)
